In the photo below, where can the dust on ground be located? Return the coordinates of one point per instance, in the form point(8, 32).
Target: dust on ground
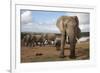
point(49, 53)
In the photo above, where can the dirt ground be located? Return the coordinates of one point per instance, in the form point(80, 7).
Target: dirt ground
point(49, 53)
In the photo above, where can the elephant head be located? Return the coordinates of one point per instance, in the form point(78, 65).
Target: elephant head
point(69, 27)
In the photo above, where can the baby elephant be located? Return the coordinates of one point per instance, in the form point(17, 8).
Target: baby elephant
point(69, 27)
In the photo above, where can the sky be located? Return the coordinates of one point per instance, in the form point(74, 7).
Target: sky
point(45, 21)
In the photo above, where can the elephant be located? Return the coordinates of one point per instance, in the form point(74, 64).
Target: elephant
point(69, 28)
point(57, 43)
point(26, 40)
point(39, 39)
point(32, 40)
point(50, 37)
point(44, 39)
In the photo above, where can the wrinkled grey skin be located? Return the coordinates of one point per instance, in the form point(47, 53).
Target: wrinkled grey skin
point(69, 28)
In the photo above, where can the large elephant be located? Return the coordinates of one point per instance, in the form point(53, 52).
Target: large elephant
point(69, 28)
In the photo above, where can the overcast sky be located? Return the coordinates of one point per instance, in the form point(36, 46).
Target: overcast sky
point(45, 21)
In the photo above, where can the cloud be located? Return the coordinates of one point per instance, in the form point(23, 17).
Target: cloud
point(30, 25)
point(36, 27)
point(26, 17)
point(84, 27)
point(83, 17)
point(84, 20)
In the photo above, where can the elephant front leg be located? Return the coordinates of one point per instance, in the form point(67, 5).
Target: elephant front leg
point(72, 49)
point(62, 45)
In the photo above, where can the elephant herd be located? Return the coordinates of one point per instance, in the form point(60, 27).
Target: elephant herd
point(69, 29)
point(43, 39)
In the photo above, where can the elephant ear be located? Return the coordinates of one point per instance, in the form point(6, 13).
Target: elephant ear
point(77, 20)
point(60, 24)
point(78, 31)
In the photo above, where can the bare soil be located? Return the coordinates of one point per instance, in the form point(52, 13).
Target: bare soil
point(49, 53)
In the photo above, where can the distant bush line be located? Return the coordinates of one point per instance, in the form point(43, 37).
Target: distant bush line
point(83, 34)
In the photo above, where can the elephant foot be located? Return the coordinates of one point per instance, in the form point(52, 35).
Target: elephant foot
point(72, 56)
